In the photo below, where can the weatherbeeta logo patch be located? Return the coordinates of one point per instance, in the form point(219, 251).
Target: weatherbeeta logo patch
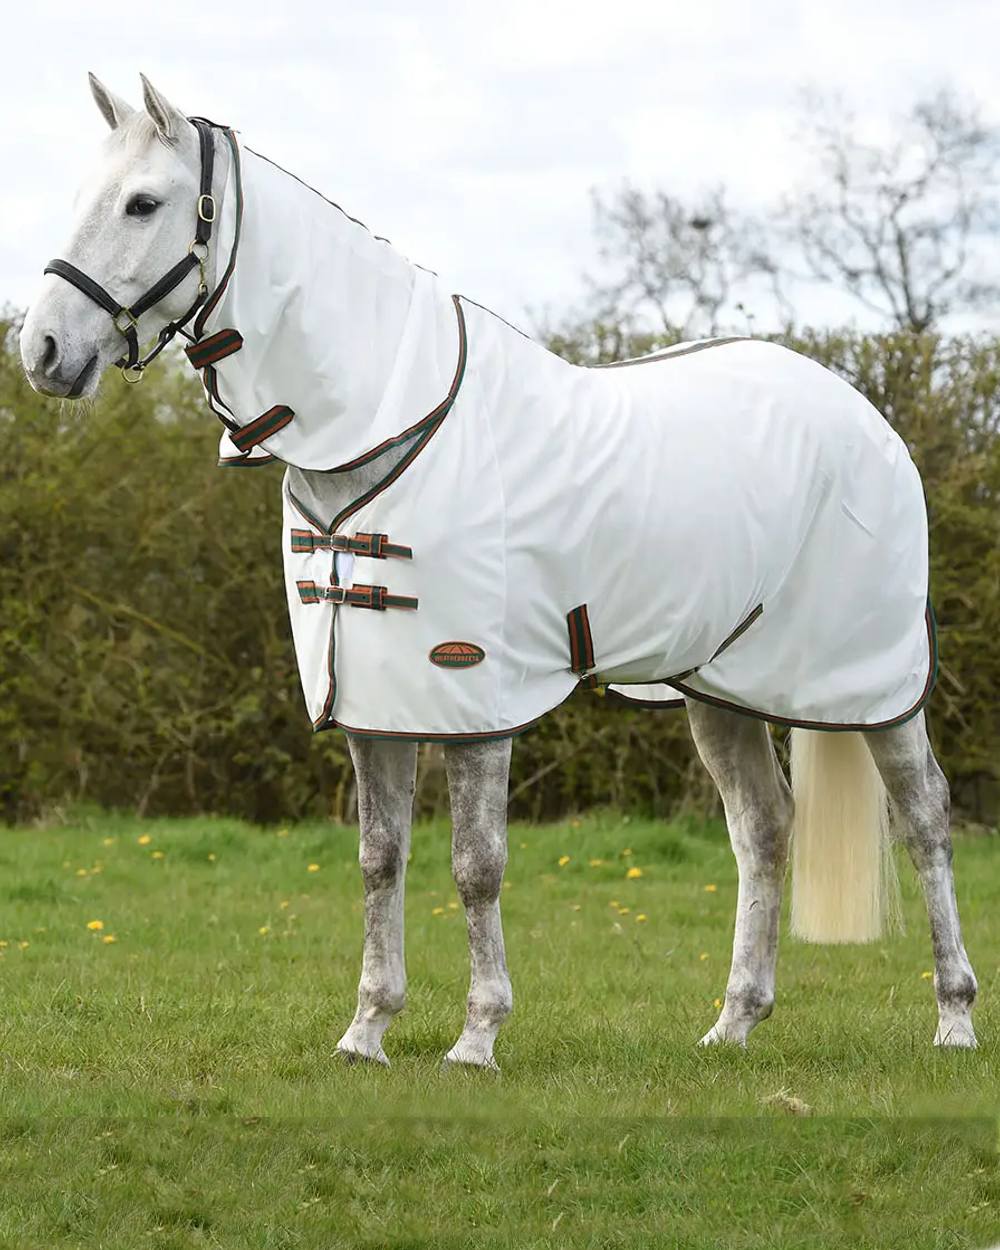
point(457, 654)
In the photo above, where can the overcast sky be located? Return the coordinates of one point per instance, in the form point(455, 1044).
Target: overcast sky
point(472, 134)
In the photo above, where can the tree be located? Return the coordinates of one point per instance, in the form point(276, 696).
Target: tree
point(901, 226)
point(907, 227)
point(682, 267)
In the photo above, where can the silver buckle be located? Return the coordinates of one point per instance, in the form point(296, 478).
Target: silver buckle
point(206, 208)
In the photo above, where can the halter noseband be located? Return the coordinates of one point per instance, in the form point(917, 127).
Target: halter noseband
point(126, 319)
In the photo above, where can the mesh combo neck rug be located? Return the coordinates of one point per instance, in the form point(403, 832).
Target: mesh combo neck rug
point(725, 520)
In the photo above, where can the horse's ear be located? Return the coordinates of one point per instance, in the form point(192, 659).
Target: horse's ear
point(113, 108)
point(168, 120)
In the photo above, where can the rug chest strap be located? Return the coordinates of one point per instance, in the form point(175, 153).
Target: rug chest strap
point(356, 596)
point(375, 545)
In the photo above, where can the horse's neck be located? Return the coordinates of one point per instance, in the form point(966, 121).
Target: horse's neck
point(326, 495)
point(323, 291)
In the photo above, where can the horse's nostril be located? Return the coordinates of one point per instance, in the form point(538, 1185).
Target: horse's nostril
point(50, 356)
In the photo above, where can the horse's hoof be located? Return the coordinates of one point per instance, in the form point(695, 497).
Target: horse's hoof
point(717, 1036)
point(955, 1037)
point(456, 1062)
point(349, 1055)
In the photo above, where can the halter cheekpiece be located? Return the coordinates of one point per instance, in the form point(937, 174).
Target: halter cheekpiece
point(126, 318)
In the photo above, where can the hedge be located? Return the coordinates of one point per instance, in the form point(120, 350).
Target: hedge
point(145, 655)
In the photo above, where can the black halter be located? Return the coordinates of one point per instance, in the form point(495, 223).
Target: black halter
point(126, 319)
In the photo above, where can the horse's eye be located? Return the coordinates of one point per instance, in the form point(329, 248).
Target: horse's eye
point(142, 206)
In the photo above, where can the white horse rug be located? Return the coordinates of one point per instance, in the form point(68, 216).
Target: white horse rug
point(726, 520)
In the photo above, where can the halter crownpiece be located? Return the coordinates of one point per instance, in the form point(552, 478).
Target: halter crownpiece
point(126, 318)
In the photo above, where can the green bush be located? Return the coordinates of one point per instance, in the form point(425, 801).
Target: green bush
point(145, 655)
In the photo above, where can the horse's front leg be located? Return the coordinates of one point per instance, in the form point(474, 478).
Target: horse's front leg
point(477, 783)
point(385, 772)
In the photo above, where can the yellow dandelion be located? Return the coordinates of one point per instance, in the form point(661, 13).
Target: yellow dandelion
point(927, 976)
point(634, 873)
point(108, 939)
point(563, 861)
point(144, 839)
point(81, 872)
point(264, 929)
point(108, 841)
point(614, 903)
point(453, 906)
point(717, 1003)
point(284, 904)
point(23, 945)
point(595, 863)
point(627, 852)
point(282, 833)
point(96, 869)
point(703, 956)
point(95, 926)
point(524, 846)
point(158, 854)
point(437, 911)
point(3, 943)
point(641, 918)
point(624, 911)
point(507, 885)
point(211, 857)
point(313, 868)
point(711, 888)
point(576, 906)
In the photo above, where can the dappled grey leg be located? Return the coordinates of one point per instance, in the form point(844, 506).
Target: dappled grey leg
point(477, 783)
point(919, 794)
point(385, 772)
point(737, 751)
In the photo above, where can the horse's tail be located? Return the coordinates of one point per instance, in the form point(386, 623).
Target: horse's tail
point(844, 884)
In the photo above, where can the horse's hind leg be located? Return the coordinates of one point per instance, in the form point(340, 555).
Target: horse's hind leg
point(919, 794)
point(737, 751)
point(477, 783)
point(385, 772)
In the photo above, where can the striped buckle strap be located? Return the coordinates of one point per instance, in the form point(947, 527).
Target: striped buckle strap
point(356, 596)
point(264, 426)
point(215, 347)
point(581, 644)
point(375, 545)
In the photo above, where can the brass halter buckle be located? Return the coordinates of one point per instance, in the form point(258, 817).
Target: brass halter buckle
point(130, 322)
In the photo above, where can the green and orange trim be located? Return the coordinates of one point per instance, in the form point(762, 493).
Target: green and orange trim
point(356, 596)
point(263, 427)
point(581, 642)
point(377, 546)
point(216, 347)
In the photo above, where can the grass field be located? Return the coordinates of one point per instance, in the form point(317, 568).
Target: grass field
point(173, 992)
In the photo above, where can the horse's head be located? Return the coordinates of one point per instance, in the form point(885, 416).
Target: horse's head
point(135, 217)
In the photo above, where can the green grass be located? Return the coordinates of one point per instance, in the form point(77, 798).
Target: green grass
point(177, 1087)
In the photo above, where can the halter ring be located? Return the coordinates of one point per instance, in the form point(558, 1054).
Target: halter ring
point(131, 322)
point(206, 208)
point(132, 374)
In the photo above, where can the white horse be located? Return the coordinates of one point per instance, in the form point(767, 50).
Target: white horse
point(134, 272)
